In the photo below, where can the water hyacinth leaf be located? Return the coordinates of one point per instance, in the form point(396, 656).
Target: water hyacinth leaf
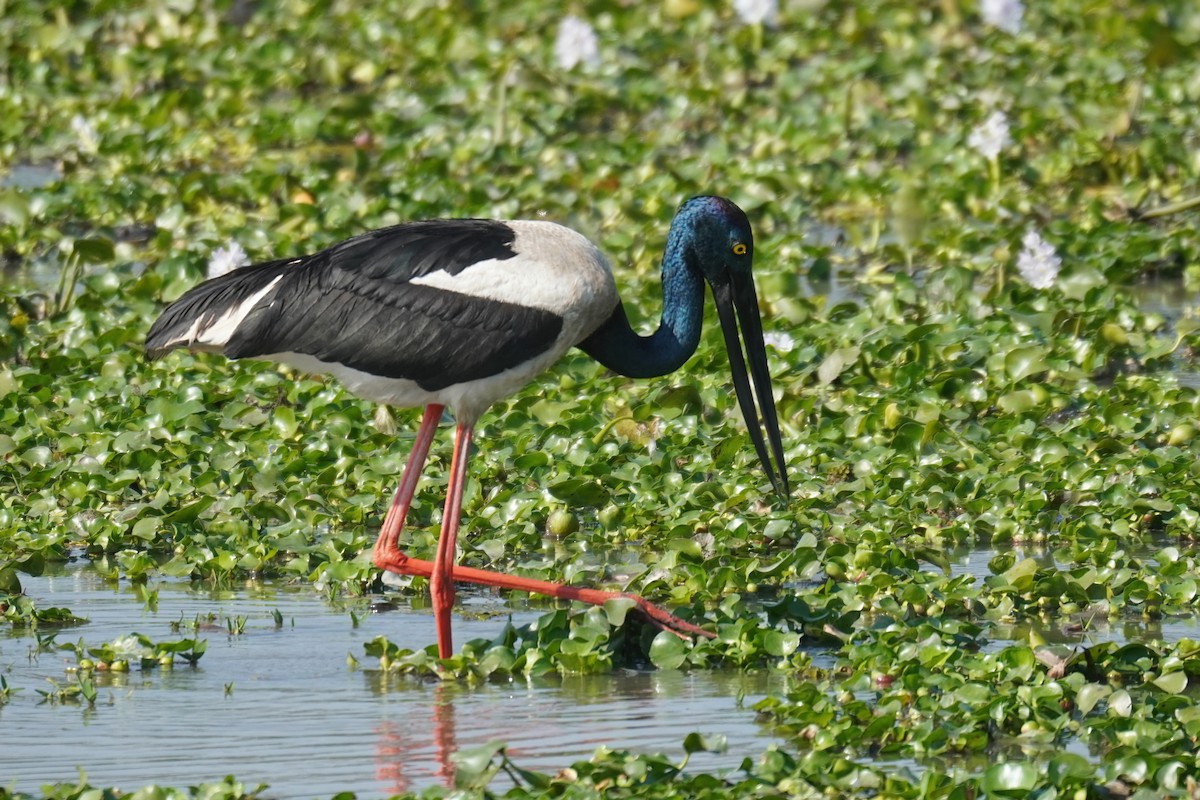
point(190, 512)
point(835, 363)
point(492, 548)
point(1021, 574)
point(1189, 718)
point(1002, 562)
point(1069, 766)
point(1080, 280)
point(705, 743)
point(32, 564)
point(10, 583)
point(1172, 682)
point(1089, 695)
point(686, 547)
point(475, 766)
point(1133, 769)
point(498, 659)
point(579, 491)
point(616, 610)
point(667, 651)
point(147, 528)
point(283, 420)
point(533, 460)
point(550, 412)
point(1022, 362)
point(14, 207)
point(780, 643)
point(1120, 703)
point(685, 397)
point(94, 251)
point(1012, 779)
point(1114, 334)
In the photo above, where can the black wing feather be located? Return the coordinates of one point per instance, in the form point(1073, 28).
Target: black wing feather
point(208, 301)
point(354, 304)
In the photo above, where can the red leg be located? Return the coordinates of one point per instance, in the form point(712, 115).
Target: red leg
point(443, 572)
point(596, 597)
point(386, 554)
point(441, 582)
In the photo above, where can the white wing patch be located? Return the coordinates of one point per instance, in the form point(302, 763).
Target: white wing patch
point(213, 332)
point(554, 269)
point(516, 280)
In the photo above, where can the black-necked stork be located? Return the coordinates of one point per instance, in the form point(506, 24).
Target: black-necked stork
point(461, 312)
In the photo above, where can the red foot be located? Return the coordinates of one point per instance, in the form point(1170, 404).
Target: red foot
point(402, 564)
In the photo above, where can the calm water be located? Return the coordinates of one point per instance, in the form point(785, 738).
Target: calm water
point(300, 719)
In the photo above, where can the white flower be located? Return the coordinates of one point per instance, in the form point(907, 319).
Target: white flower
point(1037, 261)
point(226, 258)
point(781, 341)
point(576, 44)
point(756, 12)
point(1003, 14)
point(989, 138)
point(85, 133)
point(129, 647)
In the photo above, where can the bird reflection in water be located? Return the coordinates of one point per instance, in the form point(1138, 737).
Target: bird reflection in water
point(400, 748)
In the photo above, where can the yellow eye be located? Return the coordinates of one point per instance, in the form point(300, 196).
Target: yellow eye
point(739, 249)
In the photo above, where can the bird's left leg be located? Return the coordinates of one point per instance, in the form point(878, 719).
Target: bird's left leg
point(387, 554)
point(441, 582)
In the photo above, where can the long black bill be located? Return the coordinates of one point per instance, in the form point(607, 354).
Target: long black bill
point(740, 295)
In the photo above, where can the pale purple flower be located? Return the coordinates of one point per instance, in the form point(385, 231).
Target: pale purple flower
point(1003, 14)
point(756, 12)
point(576, 44)
point(129, 647)
point(779, 340)
point(1037, 262)
point(85, 134)
point(226, 258)
point(991, 136)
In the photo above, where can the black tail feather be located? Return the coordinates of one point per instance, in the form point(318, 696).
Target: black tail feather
point(208, 302)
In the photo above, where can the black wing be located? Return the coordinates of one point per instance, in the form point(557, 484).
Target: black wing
point(354, 304)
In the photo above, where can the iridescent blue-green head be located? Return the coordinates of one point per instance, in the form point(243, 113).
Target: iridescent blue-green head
point(721, 244)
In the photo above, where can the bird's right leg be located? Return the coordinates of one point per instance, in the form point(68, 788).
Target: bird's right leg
point(386, 554)
point(441, 581)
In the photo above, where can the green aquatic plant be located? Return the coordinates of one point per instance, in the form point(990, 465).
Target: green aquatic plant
point(934, 412)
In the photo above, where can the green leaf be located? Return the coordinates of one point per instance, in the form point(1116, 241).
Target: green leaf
point(781, 644)
point(617, 608)
point(1012, 779)
point(146, 528)
point(835, 363)
point(705, 743)
point(94, 251)
point(474, 767)
point(667, 651)
point(1172, 682)
point(1089, 695)
point(1021, 362)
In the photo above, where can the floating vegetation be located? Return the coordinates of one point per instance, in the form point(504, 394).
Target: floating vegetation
point(951, 205)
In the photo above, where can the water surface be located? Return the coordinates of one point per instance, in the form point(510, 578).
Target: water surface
point(297, 717)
